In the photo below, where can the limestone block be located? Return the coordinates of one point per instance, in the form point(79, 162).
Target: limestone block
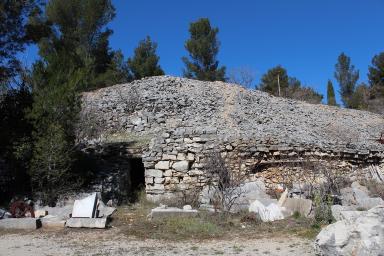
point(190, 157)
point(168, 173)
point(153, 173)
point(181, 166)
point(162, 165)
point(168, 157)
point(159, 180)
point(20, 223)
point(181, 156)
point(86, 223)
point(51, 221)
point(188, 141)
point(85, 208)
point(303, 206)
point(148, 180)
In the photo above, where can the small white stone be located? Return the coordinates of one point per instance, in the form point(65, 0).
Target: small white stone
point(187, 207)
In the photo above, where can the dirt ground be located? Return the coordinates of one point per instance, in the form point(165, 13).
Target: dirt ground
point(70, 242)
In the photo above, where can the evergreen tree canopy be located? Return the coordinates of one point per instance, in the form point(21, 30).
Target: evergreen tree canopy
point(13, 35)
point(270, 81)
point(331, 94)
point(376, 71)
point(290, 87)
point(203, 47)
point(78, 30)
point(145, 61)
point(347, 77)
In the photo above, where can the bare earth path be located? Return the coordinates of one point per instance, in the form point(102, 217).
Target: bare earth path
point(109, 242)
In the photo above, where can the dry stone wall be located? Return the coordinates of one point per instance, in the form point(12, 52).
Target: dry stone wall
point(176, 122)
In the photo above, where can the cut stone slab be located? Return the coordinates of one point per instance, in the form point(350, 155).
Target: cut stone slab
point(162, 212)
point(268, 213)
point(20, 223)
point(303, 206)
point(181, 166)
point(86, 223)
point(85, 208)
point(162, 165)
point(53, 222)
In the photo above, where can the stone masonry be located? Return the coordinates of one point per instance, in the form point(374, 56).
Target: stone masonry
point(173, 123)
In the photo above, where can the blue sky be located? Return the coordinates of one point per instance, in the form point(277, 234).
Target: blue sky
point(305, 36)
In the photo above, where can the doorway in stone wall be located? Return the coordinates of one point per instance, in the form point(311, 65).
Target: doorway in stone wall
point(133, 180)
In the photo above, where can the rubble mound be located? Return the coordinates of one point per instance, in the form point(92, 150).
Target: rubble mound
point(156, 104)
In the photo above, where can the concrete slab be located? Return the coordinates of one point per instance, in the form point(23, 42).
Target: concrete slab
point(52, 222)
point(160, 213)
point(86, 223)
point(20, 223)
point(85, 208)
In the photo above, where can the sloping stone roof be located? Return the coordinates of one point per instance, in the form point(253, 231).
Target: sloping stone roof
point(155, 105)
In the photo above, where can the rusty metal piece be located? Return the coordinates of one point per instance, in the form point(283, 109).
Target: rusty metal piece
point(21, 209)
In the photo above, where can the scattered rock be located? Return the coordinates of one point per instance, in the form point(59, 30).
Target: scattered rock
point(40, 213)
point(4, 214)
point(361, 235)
point(187, 207)
point(268, 213)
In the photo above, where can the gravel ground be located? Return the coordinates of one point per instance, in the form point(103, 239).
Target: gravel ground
point(110, 242)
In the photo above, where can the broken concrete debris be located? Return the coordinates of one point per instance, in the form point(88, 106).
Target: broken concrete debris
point(90, 212)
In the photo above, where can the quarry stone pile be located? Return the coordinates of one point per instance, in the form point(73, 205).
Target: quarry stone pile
point(173, 123)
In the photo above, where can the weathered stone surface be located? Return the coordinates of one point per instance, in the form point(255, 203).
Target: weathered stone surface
point(361, 235)
point(303, 206)
point(52, 222)
point(181, 166)
point(177, 117)
point(153, 173)
point(86, 223)
point(268, 213)
point(162, 165)
point(20, 223)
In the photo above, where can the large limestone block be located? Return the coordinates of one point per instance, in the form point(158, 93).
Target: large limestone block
point(268, 213)
point(20, 223)
point(162, 165)
point(86, 223)
point(303, 206)
point(181, 166)
point(362, 235)
point(153, 173)
point(52, 222)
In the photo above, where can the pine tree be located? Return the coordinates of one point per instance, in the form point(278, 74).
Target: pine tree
point(145, 61)
point(270, 81)
point(203, 47)
point(347, 77)
point(13, 36)
point(376, 71)
point(331, 94)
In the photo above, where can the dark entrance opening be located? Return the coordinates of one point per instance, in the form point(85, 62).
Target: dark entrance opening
point(137, 180)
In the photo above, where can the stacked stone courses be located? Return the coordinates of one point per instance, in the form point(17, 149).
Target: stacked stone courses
point(173, 123)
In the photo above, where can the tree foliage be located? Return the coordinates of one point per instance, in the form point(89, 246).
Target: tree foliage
point(290, 87)
point(331, 94)
point(376, 71)
point(145, 61)
point(203, 47)
point(13, 35)
point(347, 77)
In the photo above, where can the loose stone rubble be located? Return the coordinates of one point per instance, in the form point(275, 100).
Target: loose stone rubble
point(173, 123)
point(361, 234)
